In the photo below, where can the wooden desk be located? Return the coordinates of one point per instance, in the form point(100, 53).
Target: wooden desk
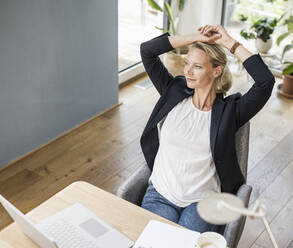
point(4, 244)
point(127, 218)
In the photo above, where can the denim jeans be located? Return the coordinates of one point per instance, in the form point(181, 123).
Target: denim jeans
point(187, 217)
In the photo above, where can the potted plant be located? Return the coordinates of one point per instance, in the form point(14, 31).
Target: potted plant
point(262, 31)
point(286, 89)
point(174, 60)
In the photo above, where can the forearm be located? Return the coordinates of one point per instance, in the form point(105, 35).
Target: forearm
point(177, 41)
point(241, 52)
point(181, 40)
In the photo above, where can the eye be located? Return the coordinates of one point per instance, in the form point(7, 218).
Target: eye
point(197, 66)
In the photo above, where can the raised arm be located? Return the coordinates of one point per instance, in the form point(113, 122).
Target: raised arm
point(257, 96)
point(157, 72)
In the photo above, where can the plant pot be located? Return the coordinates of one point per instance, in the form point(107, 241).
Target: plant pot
point(174, 63)
point(263, 47)
point(286, 89)
point(288, 84)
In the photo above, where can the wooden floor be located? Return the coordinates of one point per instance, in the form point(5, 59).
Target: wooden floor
point(106, 151)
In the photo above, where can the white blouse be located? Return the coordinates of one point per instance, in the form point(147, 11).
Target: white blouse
point(184, 171)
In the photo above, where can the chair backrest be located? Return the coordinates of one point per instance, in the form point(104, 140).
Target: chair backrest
point(233, 231)
point(242, 147)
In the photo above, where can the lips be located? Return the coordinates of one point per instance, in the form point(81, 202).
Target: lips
point(190, 79)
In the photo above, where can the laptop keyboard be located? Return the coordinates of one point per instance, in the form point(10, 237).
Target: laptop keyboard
point(67, 235)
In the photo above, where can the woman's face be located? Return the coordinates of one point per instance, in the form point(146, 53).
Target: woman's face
point(198, 70)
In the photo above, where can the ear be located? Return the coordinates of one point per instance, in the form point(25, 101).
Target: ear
point(218, 71)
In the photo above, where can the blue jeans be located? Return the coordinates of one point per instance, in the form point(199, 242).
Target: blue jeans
point(187, 217)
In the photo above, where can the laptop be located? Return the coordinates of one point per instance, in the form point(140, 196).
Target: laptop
point(73, 227)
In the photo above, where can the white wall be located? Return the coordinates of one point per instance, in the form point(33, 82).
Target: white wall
point(197, 13)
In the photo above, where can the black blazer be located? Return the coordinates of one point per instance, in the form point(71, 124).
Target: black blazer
point(228, 114)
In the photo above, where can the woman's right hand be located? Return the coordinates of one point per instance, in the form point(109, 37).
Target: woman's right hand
point(207, 38)
point(210, 30)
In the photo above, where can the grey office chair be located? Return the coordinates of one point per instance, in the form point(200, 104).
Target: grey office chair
point(134, 188)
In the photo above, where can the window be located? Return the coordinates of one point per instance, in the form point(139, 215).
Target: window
point(136, 23)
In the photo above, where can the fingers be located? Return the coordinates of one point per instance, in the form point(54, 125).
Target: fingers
point(212, 32)
point(213, 38)
point(201, 29)
point(205, 28)
point(208, 29)
point(211, 29)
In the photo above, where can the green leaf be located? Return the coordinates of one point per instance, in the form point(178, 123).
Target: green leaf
point(247, 35)
point(286, 49)
point(288, 70)
point(169, 12)
point(272, 21)
point(154, 5)
point(289, 20)
point(282, 37)
point(242, 18)
point(281, 17)
point(290, 27)
point(181, 5)
point(162, 29)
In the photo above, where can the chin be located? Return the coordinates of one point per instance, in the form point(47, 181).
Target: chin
point(192, 85)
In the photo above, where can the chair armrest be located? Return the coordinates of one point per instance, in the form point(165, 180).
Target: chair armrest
point(134, 188)
point(233, 230)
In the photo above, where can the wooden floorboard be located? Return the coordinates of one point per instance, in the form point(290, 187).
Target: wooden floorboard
point(282, 227)
point(106, 151)
point(276, 194)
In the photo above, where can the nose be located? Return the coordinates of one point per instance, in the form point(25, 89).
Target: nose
point(189, 71)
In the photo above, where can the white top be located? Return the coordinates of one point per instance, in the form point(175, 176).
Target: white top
point(184, 171)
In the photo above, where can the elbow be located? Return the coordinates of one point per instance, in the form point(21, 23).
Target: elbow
point(270, 83)
point(146, 50)
point(272, 79)
point(266, 88)
point(142, 49)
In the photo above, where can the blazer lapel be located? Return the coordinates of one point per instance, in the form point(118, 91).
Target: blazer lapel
point(217, 111)
point(167, 107)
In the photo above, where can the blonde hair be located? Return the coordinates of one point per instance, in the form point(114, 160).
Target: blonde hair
point(217, 56)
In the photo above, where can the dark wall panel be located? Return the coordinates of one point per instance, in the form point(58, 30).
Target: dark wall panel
point(58, 68)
